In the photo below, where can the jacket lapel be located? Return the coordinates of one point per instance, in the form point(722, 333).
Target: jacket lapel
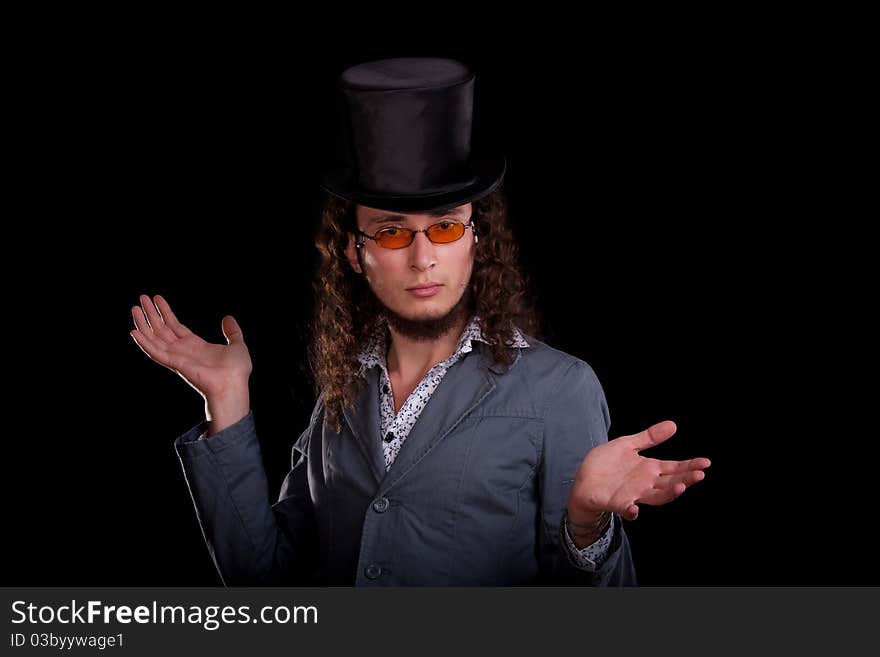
point(464, 386)
point(365, 424)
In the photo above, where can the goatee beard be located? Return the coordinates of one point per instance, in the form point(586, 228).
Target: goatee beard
point(431, 329)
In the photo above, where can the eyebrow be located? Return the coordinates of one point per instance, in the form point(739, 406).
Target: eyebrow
point(387, 218)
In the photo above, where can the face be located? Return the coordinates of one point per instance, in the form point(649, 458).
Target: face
point(392, 273)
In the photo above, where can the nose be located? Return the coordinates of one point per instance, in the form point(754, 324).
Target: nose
point(423, 255)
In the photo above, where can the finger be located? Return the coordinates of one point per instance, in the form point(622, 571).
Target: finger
point(675, 467)
point(140, 321)
point(156, 321)
point(170, 318)
point(150, 346)
point(653, 435)
point(658, 496)
point(150, 312)
point(688, 479)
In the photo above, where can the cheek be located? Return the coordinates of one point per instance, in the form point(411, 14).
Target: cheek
point(373, 264)
point(466, 268)
point(381, 273)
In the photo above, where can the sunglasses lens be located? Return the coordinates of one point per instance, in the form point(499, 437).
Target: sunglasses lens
point(393, 238)
point(446, 231)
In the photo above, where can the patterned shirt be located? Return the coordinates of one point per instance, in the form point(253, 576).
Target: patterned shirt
point(396, 427)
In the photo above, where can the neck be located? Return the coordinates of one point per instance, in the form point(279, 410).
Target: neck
point(411, 357)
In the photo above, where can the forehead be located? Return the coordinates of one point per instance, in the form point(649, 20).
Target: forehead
point(368, 216)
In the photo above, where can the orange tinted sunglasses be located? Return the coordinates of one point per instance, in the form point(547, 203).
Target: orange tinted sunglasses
point(396, 237)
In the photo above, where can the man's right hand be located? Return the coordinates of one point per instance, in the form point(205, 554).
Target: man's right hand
point(219, 373)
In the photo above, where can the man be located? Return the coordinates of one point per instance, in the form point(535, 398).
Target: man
point(448, 444)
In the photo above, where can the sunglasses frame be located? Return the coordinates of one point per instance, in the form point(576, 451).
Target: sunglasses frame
point(469, 224)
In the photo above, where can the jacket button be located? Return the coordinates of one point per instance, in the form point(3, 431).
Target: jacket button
point(381, 505)
point(373, 571)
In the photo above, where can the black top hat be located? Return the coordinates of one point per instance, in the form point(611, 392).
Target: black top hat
point(406, 137)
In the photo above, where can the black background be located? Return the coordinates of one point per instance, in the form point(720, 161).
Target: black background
point(644, 178)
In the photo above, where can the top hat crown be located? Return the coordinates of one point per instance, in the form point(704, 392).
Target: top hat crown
point(406, 126)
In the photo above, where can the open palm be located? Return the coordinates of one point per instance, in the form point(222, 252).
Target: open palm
point(614, 476)
point(212, 369)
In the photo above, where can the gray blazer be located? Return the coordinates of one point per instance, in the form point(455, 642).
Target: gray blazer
point(475, 497)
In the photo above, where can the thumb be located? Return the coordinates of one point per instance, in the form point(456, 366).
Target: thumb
point(653, 435)
point(632, 512)
point(231, 330)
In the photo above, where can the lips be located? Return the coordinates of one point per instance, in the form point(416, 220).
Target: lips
point(424, 286)
point(425, 292)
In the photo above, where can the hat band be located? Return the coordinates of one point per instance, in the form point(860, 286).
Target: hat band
point(422, 191)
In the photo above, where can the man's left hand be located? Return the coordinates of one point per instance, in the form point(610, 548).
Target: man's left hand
point(615, 477)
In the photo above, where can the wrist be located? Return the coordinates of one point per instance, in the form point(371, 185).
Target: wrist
point(227, 388)
point(583, 516)
point(222, 411)
point(584, 534)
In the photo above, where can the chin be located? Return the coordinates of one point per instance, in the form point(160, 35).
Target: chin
point(427, 308)
point(424, 311)
point(428, 318)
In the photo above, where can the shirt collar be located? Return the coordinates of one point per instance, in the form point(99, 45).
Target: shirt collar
point(373, 352)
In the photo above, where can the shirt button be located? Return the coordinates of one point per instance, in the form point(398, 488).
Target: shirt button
point(385, 389)
point(389, 437)
point(381, 505)
point(373, 571)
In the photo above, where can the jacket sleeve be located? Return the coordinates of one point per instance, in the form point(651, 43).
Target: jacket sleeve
point(576, 420)
point(251, 540)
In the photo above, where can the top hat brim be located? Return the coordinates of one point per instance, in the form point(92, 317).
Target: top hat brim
point(488, 173)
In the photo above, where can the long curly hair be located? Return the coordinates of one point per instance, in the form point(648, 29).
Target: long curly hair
point(346, 311)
